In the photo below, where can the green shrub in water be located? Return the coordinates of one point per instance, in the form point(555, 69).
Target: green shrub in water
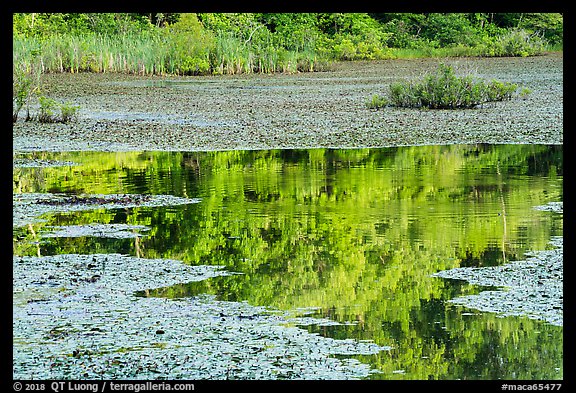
point(445, 90)
point(49, 109)
point(25, 85)
point(376, 102)
point(68, 112)
point(47, 112)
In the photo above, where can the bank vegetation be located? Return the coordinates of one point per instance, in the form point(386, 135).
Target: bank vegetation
point(233, 43)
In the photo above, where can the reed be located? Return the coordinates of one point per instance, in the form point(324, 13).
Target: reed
point(148, 54)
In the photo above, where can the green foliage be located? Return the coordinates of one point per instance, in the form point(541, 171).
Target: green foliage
point(22, 89)
point(377, 102)
point(44, 24)
point(68, 112)
point(27, 86)
point(190, 45)
point(268, 42)
point(519, 43)
point(446, 90)
point(53, 112)
point(48, 108)
point(346, 231)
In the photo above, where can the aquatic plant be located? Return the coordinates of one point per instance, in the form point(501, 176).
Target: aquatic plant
point(377, 101)
point(49, 109)
point(21, 84)
point(445, 90)
point(68, 112)
point(25, 85)
point(47, 112)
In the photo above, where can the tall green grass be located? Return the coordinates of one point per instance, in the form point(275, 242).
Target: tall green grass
point(94, 53)
point(190, 52)
point(158, 55)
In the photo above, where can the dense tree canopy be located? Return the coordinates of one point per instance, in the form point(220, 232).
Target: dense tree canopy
point(445, 28)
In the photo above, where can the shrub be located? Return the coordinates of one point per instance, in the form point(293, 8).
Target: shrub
point(49, 109)
point(68, 112)
point(345, 50)
point(519, 43)
point(445, 90)
point(47, 112)
point(377, 102)
point(21, 91)
point(25, 84)
point(190, 45)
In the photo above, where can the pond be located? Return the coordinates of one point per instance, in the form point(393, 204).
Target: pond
point(352, 236)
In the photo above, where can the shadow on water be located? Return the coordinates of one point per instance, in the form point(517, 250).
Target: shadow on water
point(349, 235)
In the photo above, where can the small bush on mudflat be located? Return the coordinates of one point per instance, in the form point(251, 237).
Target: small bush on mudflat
point(445, 90)
point(49, 109)
point(68, 112)
point(376, 102)
point(25, 86)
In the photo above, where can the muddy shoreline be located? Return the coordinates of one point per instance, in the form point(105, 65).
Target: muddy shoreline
point(281, 111)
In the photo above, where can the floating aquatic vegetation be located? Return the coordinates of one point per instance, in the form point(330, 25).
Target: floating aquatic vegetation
point(27, 207)
point(532, 288)
point(557, 207)
point(38, 163)
point(76, 317)
point(115, 231)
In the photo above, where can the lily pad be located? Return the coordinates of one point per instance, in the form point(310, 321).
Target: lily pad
point(28, 207)
point(82, 320)
point(115, 231)
point(532, 288)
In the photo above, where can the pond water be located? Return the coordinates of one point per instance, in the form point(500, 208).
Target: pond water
point(350, 235)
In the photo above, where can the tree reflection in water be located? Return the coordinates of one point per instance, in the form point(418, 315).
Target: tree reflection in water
point(354, 234)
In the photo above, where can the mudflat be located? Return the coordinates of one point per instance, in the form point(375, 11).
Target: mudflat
point(306, 110)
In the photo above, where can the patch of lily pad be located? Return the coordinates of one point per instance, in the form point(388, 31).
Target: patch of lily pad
point(39, 163)
point(88, 316)
point(114, 231)
point(532, 288)
point(557, 207)
point(77, 317)
point(28, 207)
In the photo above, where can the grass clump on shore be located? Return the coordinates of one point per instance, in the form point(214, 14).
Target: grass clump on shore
point(27, 90)
point(445, 90)
point(52, 111)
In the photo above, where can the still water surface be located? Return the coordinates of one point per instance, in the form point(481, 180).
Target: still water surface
point(352, 235)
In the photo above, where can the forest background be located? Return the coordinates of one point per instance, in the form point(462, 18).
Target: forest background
point(233, 43)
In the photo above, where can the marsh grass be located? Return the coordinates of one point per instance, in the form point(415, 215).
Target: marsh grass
point(187, 49)
point(161, 54)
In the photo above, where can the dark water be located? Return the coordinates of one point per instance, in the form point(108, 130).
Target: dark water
point(352, 235)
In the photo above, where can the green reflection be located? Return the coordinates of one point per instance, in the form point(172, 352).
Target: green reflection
point(355, 233)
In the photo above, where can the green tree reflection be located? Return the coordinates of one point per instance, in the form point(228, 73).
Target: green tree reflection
point(355, 233)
